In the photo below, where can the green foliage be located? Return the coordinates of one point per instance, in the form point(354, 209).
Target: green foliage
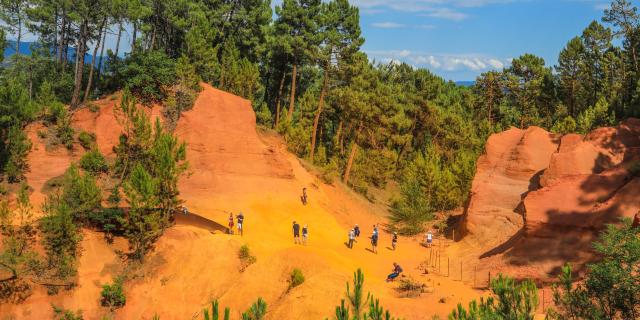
point(150, 161)
point(60, 238)
point(611, 289)
point(17, 148)
point(263, 115)
point(80, 193)
point(147, 74)
point(510, 300)
point(564, 126)
point(296, 278)
point(257, 311)
point(64, 131)
point(357, 304)
point(94, 162)
point(112, 295)
point(64, 314)
point(215, 314)
point(595, 116)
point(87, 140)
point(246, 257)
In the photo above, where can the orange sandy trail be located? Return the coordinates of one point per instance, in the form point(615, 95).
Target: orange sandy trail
point(234, 169)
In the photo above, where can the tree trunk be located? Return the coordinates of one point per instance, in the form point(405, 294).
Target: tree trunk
point(339, 137)
point(292, 99)
point(19, 36)
point(316, 119)
point(279, 98)
point(133, 38)
point(82, 39)
point(93, 61)
point(352, 155)
point(118, 39)
point(63, 24)
point(104, 41)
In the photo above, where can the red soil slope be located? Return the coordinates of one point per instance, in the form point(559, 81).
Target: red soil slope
point(585, 185)
point(232, 168)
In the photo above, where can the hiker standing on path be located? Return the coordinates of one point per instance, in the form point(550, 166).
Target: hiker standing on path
point(352, 237)
point(397, 270)
point(185, 211)
point(428, 239)
point(296, 233)
point(230, 223)
point(394, 241)
point(240, 218)
point(374, 242)
point(305, 234)
point(356, 231)
point(304, 196)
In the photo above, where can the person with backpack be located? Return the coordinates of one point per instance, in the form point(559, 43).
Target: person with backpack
point(397, 270)
point(374, 242)
point(394, 241)
point(296, 233)
point(352, 237)
point(240, 218)
point(305, 234)
point(230, 223)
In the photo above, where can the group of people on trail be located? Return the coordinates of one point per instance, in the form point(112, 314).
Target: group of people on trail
point(354, 233)
point(296, 234)
point(239, 219)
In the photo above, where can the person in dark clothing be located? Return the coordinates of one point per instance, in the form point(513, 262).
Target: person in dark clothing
point(305, 234)
point(356, 231)
point(304, 196)
point(397, 270)
point(374, 243)
point(296, 233)
point(394, 240)
point(240, 218)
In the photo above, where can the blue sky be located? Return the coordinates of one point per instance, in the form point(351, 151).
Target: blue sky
point(459, 39)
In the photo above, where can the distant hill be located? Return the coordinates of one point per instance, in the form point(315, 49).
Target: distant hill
point(465, 83)
point(25, 49)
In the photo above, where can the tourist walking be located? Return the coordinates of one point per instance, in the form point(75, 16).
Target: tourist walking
point(352, 237)
point(305, 234)
point(374, 242)
point(240, 218)
point(356, 231)
point(296, 233)
point(394, 241)
point(230, 223)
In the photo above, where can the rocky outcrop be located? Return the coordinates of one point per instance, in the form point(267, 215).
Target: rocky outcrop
point(541, 185)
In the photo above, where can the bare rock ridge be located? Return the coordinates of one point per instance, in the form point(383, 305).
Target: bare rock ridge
point(546, 186)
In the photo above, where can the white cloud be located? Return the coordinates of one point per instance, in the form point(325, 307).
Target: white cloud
point(387, 25)
point(444, 62)
point(446, 13)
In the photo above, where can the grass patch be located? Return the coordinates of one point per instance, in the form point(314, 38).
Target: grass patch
point(296, 278)
point(246, 258)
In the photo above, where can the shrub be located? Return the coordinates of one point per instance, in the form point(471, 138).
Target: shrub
point(87, 140)
point(296, 278)
point(410, 287)
point(17, 149)
point(108, 220)
point(64, 131)
point(94, 162)
point(147, 74)
point(80, 192)
point(246, 258)
point(60, 237)
point(263, 115)
point(510, 300)
point(93, 107)
point(257, 311)
point(113, 295)
point(64, 314)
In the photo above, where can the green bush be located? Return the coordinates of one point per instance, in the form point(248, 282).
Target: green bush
point(147, 74)
point(17, 149)
point(64, 131)
point(60, 238)
point(510, 300)
point(296, 278)
point(87, 140)
point(81, 193)
point(246, 258)
point(107, 220)
point(263, 115)
point(94, 162)
point(113, 295)
point(64, 314)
